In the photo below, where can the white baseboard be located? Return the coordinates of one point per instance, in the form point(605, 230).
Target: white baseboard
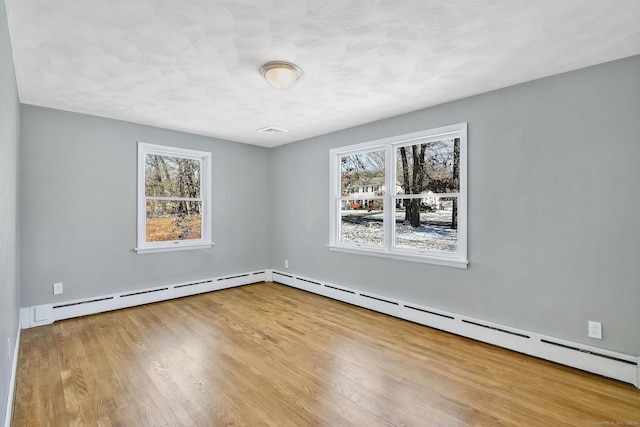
point(619, 366)
point(12, 382)
point(46, 314)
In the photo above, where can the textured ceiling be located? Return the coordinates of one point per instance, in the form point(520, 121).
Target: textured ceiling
point(193, 65)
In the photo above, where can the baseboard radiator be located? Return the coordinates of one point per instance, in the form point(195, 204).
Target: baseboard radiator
point(603, 362)
point(619, 366)
point(48, 313)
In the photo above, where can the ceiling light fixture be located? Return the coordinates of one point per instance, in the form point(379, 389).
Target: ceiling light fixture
point(280, 74)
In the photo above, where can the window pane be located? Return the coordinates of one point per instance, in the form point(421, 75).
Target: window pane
point(361, 222)
point(173, 220)
point(429, 167)
point(171, 176)
point(362, 174)
point(420, 226)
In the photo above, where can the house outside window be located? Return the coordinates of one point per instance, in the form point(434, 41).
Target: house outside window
point(416, 208)
point(174, 199)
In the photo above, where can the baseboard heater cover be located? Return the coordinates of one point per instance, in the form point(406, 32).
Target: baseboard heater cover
point(428, 311)
point(184, 285)
point(378, 299)
point(497, 329)
point(591, 352)
point(232, 277)
point(603, 362)
point(132, 294)
point(340, 289)
point(286, 275)
point(311, 281)
point(89, 301)
point(49, 313)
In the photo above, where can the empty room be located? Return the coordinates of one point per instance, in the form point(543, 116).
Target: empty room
point(318, 213)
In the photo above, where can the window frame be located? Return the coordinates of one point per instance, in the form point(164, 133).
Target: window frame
point(390, 145)
point(205, 241)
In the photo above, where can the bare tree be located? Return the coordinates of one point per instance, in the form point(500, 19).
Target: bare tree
point(414, 183)
point(360, 168)
point(431, 166)
point(456, 181)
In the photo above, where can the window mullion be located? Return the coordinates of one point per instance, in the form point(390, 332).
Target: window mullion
point(390, 211)
point(180, 199)
point(423, 195)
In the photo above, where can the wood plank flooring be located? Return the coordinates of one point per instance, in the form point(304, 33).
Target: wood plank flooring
point(267, 354)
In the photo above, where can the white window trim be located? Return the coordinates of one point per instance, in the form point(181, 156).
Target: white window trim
point(457, 259)
point(205, 194)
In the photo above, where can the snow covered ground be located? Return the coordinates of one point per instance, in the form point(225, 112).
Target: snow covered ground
point(432, 234)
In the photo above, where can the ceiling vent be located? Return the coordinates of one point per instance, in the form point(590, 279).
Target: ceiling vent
point(272, 130)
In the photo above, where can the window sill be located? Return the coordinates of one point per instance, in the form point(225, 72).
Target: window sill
point(448, 262)
point(177, 247)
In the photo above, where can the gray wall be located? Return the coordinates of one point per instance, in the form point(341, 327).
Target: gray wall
point(78, 208)
point(554, 235)
point(9, 128)
point(553, 196)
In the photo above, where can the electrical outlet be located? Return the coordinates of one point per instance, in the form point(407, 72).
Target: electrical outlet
point(595, 330)
point(57, 288)
point(286, 263)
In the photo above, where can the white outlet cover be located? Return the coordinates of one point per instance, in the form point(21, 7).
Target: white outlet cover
point(595, 330)
point(57, 288)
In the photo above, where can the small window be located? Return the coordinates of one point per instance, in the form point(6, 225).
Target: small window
point(423, 214)
point(174, 202)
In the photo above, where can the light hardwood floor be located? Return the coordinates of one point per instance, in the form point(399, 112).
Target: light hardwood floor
point(267, 354)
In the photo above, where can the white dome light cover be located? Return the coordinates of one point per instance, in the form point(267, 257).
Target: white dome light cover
point(280, 74)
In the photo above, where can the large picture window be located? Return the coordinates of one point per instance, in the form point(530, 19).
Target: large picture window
point(403, 197)
point(173, 198)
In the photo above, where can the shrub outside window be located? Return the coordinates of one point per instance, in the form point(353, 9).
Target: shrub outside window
point(403, 197)
point(173, 198)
